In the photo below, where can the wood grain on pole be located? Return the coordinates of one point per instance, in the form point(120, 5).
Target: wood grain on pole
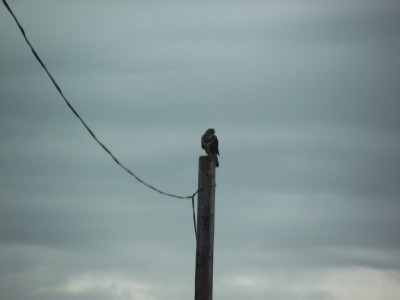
point(205, 229)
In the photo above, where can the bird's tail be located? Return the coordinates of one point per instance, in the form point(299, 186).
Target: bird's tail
point(216, 162)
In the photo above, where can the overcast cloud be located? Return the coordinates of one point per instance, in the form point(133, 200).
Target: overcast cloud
point(304, 98)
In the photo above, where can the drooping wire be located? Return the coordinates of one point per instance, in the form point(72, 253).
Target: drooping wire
point(80, 118)
point(91, 132)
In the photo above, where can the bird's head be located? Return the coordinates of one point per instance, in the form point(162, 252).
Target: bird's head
point(210, 131)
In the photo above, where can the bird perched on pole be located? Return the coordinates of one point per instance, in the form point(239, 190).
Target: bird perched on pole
point(209, 143)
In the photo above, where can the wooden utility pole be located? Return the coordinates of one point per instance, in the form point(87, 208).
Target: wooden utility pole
point(205, 229)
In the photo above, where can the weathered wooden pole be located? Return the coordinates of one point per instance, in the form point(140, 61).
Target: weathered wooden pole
point(205, 229)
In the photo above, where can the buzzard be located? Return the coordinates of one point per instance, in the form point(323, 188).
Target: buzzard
point(209, 143)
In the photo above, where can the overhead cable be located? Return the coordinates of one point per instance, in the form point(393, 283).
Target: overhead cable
point(84, 123)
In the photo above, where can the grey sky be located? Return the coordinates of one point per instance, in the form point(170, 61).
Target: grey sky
point(304, 100)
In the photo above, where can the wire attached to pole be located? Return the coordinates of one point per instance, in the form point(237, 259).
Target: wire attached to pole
point(194, 219)
point(90, 130)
